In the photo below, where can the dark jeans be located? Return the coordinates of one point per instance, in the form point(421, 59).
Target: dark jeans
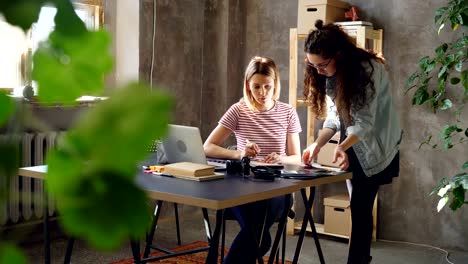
point(362, 201)
point(251, 218)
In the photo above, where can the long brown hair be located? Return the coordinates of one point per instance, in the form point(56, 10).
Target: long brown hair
point(351, 78)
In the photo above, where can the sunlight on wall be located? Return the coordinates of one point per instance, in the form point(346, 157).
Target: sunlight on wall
point(12, 46)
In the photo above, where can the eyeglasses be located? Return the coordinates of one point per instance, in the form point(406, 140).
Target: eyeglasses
point(322, 66)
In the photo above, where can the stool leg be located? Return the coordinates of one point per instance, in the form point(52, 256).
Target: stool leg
point(176, 212)
point(223, 238)
point(284, 246)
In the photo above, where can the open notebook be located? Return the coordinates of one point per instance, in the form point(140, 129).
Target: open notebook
point(184, 143)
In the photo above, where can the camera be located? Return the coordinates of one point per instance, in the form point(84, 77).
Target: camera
point(238, 166)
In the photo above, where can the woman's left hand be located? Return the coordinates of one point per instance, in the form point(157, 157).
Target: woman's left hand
point(342, 158)
point(273, 158)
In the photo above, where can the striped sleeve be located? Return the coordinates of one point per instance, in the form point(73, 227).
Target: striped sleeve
point(230, 119)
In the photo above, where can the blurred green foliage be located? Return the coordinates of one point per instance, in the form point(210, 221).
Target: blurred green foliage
point(91, 174)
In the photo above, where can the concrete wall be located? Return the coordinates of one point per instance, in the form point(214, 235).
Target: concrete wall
point(202, 48)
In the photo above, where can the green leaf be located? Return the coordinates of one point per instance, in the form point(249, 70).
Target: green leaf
point(7, 107)
point(9, 253)
point(440, 50)
point(465, 165)
point(99, 163)
point(10, 153)
point(93, 211)
point(411, 79)
point(447, 130)
point(439, 13)
point(420, 96)
point(68, 67)
point(454, 80)
point(443, 182)
point(21, 13)
point(423, 62)
point(446, 104)
point(458, 198)
point(464, 80)
point(442, 71)
point(67, 21)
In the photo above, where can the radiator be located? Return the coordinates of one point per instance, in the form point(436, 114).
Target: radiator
point(26, 197)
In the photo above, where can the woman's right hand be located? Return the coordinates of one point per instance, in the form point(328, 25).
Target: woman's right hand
point(251, 150)
point(310, 153)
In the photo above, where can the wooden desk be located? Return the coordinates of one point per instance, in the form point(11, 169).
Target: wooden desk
point(215, 195)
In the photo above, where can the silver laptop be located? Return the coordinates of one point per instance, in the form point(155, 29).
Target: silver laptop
point(184, 143)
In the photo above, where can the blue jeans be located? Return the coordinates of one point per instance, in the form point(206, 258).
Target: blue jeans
point(252, 239)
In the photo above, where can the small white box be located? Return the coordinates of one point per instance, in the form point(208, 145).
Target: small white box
point(327, 10)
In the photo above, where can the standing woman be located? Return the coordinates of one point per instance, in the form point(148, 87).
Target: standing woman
point(264, 128)
point(349, 88)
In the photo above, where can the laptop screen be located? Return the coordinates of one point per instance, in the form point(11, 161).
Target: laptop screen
point(184, 143)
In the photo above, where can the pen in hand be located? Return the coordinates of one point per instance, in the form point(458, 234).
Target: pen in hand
point(251, 149)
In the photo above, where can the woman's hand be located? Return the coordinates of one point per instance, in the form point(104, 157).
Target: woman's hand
point(310, 153)
point(273, 158)
point(342, 158)
point(251, 150)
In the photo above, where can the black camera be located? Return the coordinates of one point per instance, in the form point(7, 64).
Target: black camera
point(238, 166)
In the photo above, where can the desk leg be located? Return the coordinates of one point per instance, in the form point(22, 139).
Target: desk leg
point(308, 219)
point(212, 257)
point(68, 253)
point(46, 228)
point(281, 228)
point(150, 235)
point(206, 221)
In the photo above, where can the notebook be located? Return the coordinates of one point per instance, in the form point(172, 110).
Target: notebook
point(184, 144)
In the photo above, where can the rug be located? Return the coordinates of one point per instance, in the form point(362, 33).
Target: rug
point(196, 258)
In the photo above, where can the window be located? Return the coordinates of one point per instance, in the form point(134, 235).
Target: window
point(17, 47)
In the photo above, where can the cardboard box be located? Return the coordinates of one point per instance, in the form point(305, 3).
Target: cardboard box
point(311, 10)
point(325, 155)
point(337, 215)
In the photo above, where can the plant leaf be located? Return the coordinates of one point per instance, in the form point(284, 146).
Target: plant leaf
point(443, 191)
point(465, 165)
point(440, 50)
point(9, 253)
point(411, 79)
point(464, 80)
point(442, 202)
point(22, 13)
point(97, 161)
point(454, 80)
point(7, 106)
point(68, 67)
point(420, 96)
point(446, 104)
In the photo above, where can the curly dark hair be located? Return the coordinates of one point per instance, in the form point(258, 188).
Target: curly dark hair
point(352, 79)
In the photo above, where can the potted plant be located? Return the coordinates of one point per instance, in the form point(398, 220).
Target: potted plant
point(438, 79)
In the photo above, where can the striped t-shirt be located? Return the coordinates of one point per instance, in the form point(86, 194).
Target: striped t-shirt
point(267, 129)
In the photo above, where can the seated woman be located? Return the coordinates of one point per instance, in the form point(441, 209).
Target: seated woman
point(266, 129)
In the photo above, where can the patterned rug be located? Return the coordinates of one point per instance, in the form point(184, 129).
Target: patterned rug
point(195, 258)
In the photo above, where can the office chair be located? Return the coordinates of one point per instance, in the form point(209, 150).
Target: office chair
point(228, 215)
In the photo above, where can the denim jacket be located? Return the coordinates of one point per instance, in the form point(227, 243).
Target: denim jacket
point(377, 125)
